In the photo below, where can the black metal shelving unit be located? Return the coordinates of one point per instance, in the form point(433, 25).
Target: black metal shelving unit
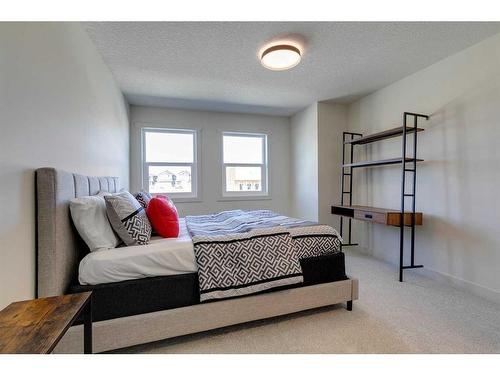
point(408, 165)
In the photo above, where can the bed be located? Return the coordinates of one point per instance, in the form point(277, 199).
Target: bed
point(150, 306)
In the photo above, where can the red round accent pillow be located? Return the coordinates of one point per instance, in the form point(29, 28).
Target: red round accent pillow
point(163, 216)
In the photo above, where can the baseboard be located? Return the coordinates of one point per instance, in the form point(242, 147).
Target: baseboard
point(476, 289)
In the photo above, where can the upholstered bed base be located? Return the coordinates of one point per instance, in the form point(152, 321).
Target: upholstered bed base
point(59, 250)
point(140, 329)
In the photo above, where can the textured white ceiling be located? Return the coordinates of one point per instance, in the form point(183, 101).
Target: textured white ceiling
point(215, 65)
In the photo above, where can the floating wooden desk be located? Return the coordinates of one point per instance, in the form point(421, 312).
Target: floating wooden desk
point(36, 326)
point(377, 215)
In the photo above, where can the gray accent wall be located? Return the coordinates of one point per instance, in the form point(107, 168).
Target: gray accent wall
point(316, 155)
point(332, 122)
point(304, 163)
point(59, 107)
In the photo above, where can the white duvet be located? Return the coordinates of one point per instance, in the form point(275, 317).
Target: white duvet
point(161, 257)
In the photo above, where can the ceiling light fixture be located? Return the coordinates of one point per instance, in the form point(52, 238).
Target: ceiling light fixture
point(280, 57)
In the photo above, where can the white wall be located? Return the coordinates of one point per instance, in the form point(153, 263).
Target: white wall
point(59, 107)
point(458, 183)
point(304, 163)
point(210, 125)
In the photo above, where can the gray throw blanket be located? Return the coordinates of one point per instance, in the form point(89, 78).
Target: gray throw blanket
point(244, 252)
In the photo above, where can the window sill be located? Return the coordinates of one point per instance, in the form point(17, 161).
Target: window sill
point(179, 199)
point(186, 200)
point(245, 198)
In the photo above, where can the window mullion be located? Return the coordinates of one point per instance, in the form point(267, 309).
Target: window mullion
point(173, 164)
point(243, 165)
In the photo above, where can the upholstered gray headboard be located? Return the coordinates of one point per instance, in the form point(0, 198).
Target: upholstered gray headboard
point(57, 241)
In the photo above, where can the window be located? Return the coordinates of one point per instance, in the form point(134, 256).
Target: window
point(170, 162)
point(244, 157)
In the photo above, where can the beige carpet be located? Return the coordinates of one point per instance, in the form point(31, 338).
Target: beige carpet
point(418, 316)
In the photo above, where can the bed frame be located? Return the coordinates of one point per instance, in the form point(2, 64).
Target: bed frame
point(58, 254)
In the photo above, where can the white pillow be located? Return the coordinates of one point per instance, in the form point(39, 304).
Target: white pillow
point(91, 222)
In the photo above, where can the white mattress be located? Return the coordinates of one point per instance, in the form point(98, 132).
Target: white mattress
point(161, 257)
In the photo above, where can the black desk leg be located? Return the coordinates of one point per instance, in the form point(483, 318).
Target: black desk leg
point(87, 328)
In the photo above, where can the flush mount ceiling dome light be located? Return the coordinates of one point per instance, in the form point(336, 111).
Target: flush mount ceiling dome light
point(280, 57)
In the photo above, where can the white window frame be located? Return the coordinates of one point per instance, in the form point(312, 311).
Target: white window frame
point(264, 167)
point(179, 197)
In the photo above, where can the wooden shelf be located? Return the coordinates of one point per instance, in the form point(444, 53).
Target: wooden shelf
point(391, 133)
point(374, 163)
point(379, 215)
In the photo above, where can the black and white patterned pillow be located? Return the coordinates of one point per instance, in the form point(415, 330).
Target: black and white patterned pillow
point(128, 218)
point(143, 197)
